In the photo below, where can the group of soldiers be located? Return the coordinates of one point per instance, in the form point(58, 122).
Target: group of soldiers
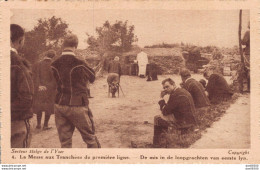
point(68, 78)
point(194, 96)
point(57, 86)
point(187, 100)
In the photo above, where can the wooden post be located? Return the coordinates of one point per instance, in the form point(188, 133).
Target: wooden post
point(239, 38)
point(243, 69)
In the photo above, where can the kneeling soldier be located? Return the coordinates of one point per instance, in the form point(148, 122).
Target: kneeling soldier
point(217, 88)
point(195, 88)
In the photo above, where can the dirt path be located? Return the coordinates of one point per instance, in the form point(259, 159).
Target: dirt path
point(231, 131)
point(118, 120)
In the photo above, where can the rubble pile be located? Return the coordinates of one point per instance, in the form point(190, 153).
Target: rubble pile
point(168, 64)
point(227, 66)
point(168, 60)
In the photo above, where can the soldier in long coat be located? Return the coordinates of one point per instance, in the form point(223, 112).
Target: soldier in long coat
point(21, 92)
point(152, 72)
point(45, 89)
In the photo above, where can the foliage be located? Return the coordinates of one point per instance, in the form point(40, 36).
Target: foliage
point(217, 55)
point(163, 45)
point(47, 34)
point(113, 37)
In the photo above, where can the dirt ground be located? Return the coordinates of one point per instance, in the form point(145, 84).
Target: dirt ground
point(129, 118)
point(231, 131)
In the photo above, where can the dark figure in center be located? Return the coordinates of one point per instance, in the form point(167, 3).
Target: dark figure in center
point(195, 88)
point(114, 74)
point(45, 89)
point(217, 88)
point(151, 72)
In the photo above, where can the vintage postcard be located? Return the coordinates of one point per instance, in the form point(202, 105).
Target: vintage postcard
point(130, 82)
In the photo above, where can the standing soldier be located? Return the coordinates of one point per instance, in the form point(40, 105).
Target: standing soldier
point(246, 41)
point(21, 92)
point(151, 72)
point(45, 87)
point(71, 104)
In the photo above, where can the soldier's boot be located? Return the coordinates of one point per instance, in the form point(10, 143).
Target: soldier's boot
point(46, 121)
point(39, 119)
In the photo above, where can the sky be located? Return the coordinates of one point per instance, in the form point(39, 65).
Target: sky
point(200, 27)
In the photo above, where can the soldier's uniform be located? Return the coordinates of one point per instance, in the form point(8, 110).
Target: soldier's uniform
point(178, 111)
point(197, 92)
point(151, 72)
point(44, 100)
point(113, 78)
point(246, 42)
point(21, 101)
point(218, 89)
point(72, 105)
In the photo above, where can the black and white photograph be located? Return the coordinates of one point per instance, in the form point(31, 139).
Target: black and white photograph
point(130, 78)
